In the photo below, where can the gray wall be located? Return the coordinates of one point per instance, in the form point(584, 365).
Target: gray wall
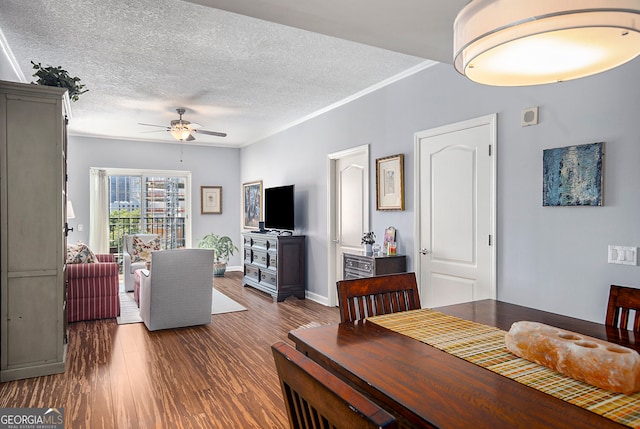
point(209, 166)
point(549, 258)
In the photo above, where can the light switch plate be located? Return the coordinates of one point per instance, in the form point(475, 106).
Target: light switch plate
point(623, 255)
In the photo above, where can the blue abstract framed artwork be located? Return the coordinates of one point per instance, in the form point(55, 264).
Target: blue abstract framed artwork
point(573, 175)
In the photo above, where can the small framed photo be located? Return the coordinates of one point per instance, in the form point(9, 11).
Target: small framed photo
point(390, 183)
point(210, 199)
point(389, 236)
point(251, 204)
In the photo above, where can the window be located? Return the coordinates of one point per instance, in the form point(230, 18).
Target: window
point(164, 209)
point(149, 202)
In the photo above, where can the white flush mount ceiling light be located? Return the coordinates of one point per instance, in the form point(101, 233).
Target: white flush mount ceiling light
point(531, 42)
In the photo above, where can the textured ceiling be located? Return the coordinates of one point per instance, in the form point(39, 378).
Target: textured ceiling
point(234, 73)
point(423, 28)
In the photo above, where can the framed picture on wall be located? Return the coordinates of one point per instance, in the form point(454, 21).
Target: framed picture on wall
point(210, 199)
point(390, 183)
point(251, 204)
point(573, 175)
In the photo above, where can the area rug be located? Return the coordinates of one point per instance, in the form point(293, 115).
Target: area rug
point(130, 313)
point(221, 303)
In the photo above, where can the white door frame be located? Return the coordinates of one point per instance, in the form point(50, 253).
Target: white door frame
point(332, 298)
point(491, 120)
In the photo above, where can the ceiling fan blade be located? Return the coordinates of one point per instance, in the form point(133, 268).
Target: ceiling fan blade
point(152, 125)
point(190, 138)
point(153, 131)
point(211, 133)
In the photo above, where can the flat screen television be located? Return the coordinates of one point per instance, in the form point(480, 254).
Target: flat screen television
point(279, 208)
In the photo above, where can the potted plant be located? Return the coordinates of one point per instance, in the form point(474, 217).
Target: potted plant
point(57, 76)
point(223, 247)
point(368, 239)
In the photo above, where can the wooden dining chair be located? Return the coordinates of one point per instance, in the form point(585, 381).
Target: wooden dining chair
point(371, 296)
point(316, 399)
point(622, 300)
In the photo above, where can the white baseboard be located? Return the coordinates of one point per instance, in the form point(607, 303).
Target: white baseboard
point(317, 298)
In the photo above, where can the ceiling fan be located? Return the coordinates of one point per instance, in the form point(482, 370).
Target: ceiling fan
point(183, 130)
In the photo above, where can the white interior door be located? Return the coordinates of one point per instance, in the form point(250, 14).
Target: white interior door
point(348, 208)
point(455, 223)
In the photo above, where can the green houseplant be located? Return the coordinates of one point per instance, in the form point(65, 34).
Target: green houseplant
point(57, 76)
point(223, 247)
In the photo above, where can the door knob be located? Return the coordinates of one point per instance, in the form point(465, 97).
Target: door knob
point(425, 251)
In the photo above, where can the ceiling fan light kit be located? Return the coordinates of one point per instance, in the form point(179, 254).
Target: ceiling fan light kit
point(180, 133)
point(183, 130)
point(525, 42)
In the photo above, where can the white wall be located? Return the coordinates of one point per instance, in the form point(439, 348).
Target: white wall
point(209, 166)
point(552, 258)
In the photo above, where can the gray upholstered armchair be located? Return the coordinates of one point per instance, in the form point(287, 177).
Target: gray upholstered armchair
point(130, 264)
point(178, 290)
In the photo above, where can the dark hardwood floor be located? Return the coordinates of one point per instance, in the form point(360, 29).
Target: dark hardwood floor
point(220, 375)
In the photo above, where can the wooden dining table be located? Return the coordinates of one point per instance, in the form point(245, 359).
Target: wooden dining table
point(426, 387)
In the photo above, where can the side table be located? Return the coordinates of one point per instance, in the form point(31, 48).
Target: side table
point(360, 266)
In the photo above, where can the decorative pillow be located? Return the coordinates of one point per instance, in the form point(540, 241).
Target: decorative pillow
point(142, 249)
point(80, 254)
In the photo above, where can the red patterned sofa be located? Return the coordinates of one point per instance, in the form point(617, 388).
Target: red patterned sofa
point(93, 289)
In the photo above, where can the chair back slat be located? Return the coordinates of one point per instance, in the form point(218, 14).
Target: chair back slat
point(383, 304)
point(400, 299)
point(362, 298)
point(623, 308)
point(623, 318)
point(371, 305)
point(317, 399)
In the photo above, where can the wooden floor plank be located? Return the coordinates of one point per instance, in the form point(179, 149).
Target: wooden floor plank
point(213, 376)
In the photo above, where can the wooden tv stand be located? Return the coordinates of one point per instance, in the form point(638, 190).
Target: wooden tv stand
point(275, 264)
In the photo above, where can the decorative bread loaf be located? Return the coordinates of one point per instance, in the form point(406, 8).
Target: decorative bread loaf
point(599, 363)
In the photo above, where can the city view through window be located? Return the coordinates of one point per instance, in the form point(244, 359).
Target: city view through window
point(147, 205)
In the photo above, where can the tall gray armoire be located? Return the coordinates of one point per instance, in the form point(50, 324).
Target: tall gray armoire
point(32, 230)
